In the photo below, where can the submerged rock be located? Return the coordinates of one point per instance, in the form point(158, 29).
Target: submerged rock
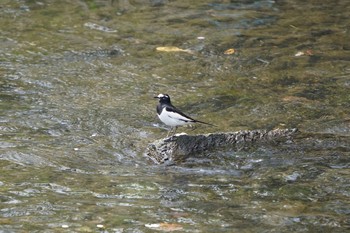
point(179, 147)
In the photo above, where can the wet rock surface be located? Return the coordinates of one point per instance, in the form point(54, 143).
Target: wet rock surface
point(179, 147)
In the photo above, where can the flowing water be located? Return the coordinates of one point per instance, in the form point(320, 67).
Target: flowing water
point(77, 113)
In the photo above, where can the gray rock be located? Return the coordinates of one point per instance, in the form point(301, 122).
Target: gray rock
point(179, 147)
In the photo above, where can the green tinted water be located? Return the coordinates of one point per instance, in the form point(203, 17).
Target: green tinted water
point(76, 88)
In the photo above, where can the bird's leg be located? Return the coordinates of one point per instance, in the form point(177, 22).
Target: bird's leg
point(172, 131)
point(175, 128)
point(169, 132)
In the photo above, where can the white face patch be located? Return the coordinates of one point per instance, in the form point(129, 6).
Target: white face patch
point(162, 95)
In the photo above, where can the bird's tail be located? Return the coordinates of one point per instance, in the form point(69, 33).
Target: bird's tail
point(202, 122)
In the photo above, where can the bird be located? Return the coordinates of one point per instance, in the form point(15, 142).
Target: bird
point(172, 116)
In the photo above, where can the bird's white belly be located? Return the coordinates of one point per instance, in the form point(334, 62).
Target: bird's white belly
point(172, 119)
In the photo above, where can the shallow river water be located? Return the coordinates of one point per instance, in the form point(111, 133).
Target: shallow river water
point(77, 81)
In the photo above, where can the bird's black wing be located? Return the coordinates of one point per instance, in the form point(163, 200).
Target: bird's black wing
point(177, 114)
point(182, 116)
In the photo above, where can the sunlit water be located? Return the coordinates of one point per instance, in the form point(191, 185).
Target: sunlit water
point(77, 114)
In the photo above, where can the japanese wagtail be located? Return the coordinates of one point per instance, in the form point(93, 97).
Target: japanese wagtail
point(171, 116)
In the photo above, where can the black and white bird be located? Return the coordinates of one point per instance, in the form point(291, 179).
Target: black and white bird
point(171, 116)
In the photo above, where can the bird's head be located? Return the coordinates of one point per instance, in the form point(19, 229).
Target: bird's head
point(163, 98)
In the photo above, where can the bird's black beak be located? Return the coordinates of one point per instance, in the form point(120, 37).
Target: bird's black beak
point(156, 97)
